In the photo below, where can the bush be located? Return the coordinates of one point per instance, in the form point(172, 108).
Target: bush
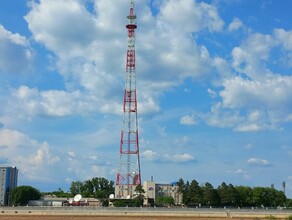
point(123, 203)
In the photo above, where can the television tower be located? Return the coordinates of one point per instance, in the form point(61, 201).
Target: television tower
point(128, 175)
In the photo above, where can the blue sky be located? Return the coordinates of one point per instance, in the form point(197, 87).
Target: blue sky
point(214, 90)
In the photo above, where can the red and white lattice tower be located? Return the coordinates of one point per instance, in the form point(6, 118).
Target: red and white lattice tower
point(128, 175)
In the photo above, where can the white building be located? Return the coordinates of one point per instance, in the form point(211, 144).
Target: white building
point(8, 181)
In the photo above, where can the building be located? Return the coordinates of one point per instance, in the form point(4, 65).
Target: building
point(8, 181)
point(154, 190)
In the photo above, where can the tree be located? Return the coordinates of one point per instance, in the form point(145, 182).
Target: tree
point(21, 195)
point(181, 185)
point(289, 203)
point(59, 193)
point(164, 201)
point(196, 193)
point(228, 195)
point(245, 196)
point(76, 187)
point(210, 195)
point(271, 197)
point(88, 188)
point(138, 200)
point(102, 187)
point(186, 194)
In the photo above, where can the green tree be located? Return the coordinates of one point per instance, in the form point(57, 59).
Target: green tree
point(261, 196)
point(102, 187)
point(228, 195)
point(139, 197)
point(186, 194)
point(181, 185)
point(164, 201)
point(210, 195)
point(22, 194)
point(245, 196)
point(88, 188)
point(289, 203)
point(76, 187)
point(59, 193)
point(196, 193)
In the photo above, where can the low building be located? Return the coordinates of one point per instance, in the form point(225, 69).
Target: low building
point(55, 202)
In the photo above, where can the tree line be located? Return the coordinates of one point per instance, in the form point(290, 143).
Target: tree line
point(230, 196)
point(194, 195)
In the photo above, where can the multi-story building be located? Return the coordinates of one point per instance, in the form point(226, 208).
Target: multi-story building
point(8, 181)
point(154, 190)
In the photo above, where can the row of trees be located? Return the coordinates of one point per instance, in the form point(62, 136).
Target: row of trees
point(229, 195)
point(193, 194)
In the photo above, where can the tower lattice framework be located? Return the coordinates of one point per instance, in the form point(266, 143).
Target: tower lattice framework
point(128, 175)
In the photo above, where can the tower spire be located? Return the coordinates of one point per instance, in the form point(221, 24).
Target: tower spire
point(128, 175)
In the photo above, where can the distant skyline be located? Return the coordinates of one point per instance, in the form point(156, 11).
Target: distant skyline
point(214, 84)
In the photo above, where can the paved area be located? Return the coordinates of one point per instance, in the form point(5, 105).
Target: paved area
point(90, 213)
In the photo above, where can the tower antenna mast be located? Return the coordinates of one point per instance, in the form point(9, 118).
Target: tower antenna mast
point(129, 175)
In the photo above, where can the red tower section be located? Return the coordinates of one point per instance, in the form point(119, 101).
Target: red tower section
point(128, 175)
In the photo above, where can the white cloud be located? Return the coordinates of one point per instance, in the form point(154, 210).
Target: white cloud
point(258, 162)
point(179, 13)
point(285, 40)
point(251, 57)
point(235, 25)
point(30, 156)
point(212, 93)
point(12, 46)
point(175, 158)
point(284, 37)
point(61, 36)
point(38, 161)
point(51, 103)
point(84, 56)
point(149, 155)
point(188, 120)
point(240, 171)
point(179, 158)
point(253, 105)
point(267, 102)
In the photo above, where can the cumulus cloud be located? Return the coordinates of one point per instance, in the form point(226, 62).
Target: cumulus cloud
point(14, 45)
point(258, 162)
point(267, 102)
point(175, 158)
point(284, 38)
point(256, 99)
point(251, 57)
point(235, 25)
point(84, 54)
point(179, 13)
point(188, 120)
point(149, 155)
point(51, 103)
point(29, 155)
